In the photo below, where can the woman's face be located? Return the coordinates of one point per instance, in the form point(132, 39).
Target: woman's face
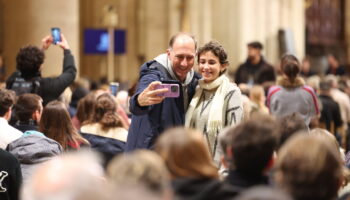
point(209, 66)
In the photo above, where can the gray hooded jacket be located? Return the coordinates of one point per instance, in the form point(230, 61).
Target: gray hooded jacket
point(32, 149)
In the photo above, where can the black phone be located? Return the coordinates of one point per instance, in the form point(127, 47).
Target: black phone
point(56, 35)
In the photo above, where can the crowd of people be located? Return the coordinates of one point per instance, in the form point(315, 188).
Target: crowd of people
point(264, 133)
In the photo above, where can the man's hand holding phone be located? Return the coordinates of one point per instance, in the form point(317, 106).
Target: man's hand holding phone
point(63, 44)
point(46, 42)
point(55, 39)
point(151, 95)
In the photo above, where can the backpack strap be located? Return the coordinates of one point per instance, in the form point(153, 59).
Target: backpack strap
point(36, 85)
point(21, 85)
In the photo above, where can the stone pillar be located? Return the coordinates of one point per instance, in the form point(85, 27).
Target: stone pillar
point(174, 16)
point(155, 25)
point(2, 25)
point(347, 28)
point(129, 65)
point(201, 20)
point(225, 27)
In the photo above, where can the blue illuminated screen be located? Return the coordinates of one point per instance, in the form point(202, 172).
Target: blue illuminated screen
point(96, 41)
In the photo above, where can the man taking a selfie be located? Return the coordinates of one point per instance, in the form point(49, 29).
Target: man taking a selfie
point(27, 78)
point(152, 112)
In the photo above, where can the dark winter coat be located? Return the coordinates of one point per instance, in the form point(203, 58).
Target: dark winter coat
point(10, 176)
point(51, 88)
point(259, 73)
point(244, 181)
point(202, 189)
point(149, 121)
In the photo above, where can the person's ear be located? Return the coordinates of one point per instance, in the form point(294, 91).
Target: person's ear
point(224, 161)
point(229, 152)
point(223, 68)
point(270, 163)
point(8, 114)
point(36, 116)
point(168, 51)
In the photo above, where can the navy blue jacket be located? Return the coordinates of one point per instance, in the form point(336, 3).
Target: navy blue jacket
point(149, 121)
point(108, 147)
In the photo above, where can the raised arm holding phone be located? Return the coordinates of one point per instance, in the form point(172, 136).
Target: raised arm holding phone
point(154, 106)
point(27, 78)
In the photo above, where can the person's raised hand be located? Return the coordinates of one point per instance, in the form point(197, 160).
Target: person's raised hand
point(46, 42)
point(150, 95)
point(63, 43)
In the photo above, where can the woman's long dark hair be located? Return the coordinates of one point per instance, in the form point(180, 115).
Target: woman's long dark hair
point(86, 107)
point(56, 124)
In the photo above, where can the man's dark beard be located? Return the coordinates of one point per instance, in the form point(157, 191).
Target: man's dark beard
point(251, 58)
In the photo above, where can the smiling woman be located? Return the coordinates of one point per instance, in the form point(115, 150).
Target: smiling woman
point(217, 102)
point(210, 66)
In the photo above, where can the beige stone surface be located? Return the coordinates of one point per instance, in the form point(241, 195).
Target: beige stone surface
point(149, 24)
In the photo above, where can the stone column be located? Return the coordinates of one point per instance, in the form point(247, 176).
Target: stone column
point(156, 25)
point(347, 28)
point(201, 20)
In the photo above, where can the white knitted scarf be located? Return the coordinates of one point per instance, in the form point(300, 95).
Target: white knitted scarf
point(215, 120)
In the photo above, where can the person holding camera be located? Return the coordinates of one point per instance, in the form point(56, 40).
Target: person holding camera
point(217, 102)
point(27, 78)
point(153, 112)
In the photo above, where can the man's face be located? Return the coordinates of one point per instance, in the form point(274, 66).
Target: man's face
point(253, 53)
point(305, 67)
point(182, 56)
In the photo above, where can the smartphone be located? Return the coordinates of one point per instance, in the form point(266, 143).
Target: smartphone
point(173, 90)
point(56, 35)
point(114, 86)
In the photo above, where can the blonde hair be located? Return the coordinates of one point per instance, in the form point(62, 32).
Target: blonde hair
point(327, 136)
point(333, 141)
point(257, 99)
point(186, 154)
point(256, 94)
point(140, 167)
